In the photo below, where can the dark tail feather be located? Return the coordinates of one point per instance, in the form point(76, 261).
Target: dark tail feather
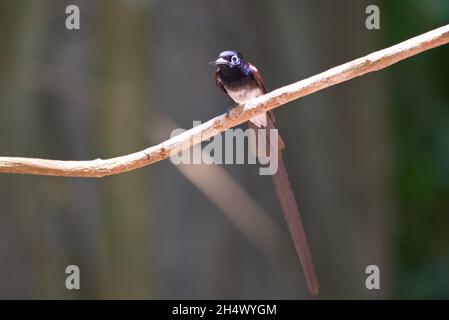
point(295, 225)
point(291, 213)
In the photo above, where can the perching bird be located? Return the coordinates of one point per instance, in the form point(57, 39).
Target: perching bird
point(243, 82)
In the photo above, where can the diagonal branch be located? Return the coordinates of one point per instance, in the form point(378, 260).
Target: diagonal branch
point(358, 67)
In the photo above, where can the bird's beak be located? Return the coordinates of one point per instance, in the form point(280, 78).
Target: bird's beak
point(221, 61)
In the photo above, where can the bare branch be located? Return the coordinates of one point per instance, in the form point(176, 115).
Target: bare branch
point(358, 67)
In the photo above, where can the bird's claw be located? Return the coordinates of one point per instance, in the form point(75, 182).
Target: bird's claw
point(229, 111)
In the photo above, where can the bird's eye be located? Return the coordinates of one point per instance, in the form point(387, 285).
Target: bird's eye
point(234, 59)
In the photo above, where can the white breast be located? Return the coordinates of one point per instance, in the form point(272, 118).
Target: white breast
point(243, 96)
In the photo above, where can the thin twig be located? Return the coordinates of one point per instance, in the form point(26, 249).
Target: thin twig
point(358, 67)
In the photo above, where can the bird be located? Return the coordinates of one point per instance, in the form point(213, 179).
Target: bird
point(242, 82)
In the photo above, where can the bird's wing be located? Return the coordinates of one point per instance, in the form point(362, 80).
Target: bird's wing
point(257, 77)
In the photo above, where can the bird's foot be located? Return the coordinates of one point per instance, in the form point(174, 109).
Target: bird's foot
point(229, 111)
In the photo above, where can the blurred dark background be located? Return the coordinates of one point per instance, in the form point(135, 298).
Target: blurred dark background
point(368, 159)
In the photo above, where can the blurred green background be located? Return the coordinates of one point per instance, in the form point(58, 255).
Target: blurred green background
point(368, 159)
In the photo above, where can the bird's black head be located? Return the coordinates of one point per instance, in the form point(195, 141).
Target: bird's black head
point(229, 59)
point(235, 72)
